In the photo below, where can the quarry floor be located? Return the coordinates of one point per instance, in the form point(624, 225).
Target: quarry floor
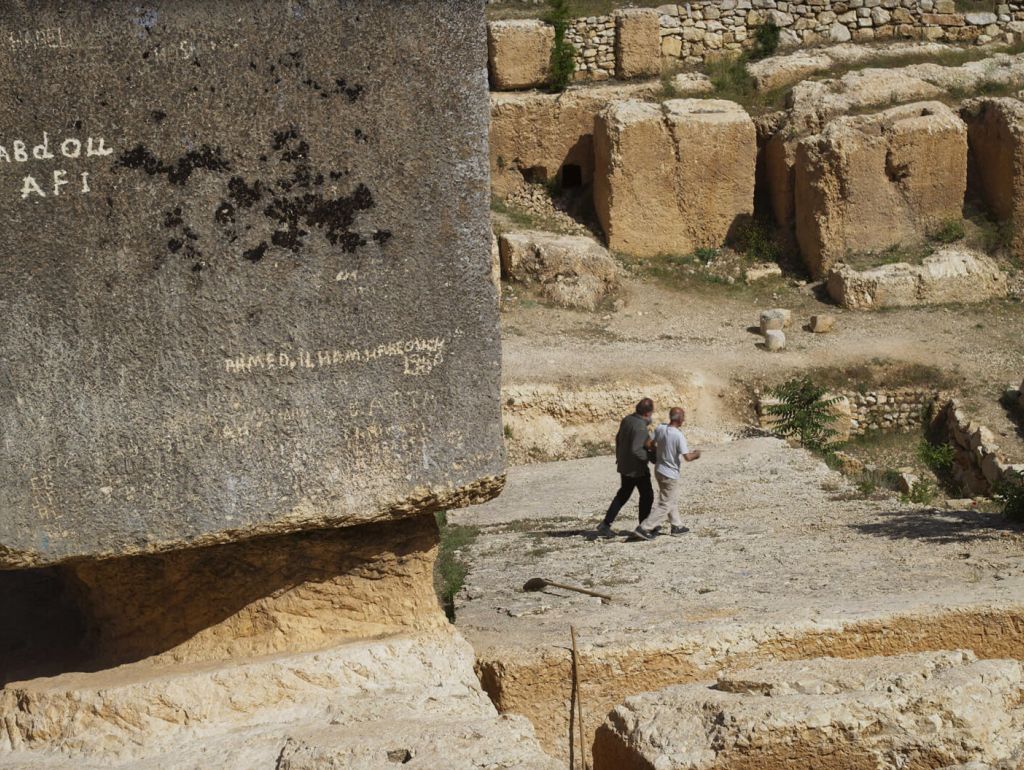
point(705, 330)
point(784, 560)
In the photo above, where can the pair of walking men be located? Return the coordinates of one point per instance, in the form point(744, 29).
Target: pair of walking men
point(633, 448)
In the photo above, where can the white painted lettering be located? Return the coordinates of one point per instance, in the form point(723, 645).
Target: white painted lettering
point(30, 186)
point(42, 151)
point(60, 179)
point(20, 150)
point(71, 148)
point(98, 150)
point(85, 181)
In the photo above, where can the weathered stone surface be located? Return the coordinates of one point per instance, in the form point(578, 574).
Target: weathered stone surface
point(869, 182)
point(208, 337)
point(653, 188)
point(951, 275)
point(363, 705)
point(570, 271)
point(519, 53)
point(637, 43)
point(995, 135)
point(546, 422)
point(822, 324)
point(774, 340)
point(928, 710)
point(692, 84)
point(537, 135)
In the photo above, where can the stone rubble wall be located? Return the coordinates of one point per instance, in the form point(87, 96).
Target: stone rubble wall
point(694, 32)
point(859, 412)
point(978, 465)
point(899, 410)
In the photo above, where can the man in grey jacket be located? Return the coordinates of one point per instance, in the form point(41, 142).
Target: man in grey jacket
point(631, 460)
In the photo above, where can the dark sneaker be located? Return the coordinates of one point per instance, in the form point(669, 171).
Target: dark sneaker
point(643, 534)
point(680, 530)
point(603, 530)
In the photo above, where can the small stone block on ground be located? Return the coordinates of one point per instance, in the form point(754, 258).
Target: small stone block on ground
point(822, 324)
point(775, 340)
point(519, 53)
point(637, 43)
point(776, 318)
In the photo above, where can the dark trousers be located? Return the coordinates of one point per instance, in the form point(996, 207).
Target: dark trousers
point(629, 483)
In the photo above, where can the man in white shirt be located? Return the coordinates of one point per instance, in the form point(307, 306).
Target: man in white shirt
point(671, 448)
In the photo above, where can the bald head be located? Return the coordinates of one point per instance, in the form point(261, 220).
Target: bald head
point(676, 415)
point(645, 408)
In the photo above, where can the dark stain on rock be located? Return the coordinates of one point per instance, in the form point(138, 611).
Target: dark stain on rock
point(256, 253)
point(382, 236)
point(206, 158)
point(158, 116)
point(243, 194)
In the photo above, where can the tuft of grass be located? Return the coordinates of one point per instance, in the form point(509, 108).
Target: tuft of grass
point(450, 570)
point(1010, 494)
point(950, 231)
point(922, 493)
point(766, 41)
point(756, 239)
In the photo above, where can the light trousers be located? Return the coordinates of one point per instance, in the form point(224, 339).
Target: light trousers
point(667, 505)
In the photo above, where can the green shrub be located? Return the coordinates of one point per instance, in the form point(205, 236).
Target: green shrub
point(766, 41)
point(563, 53)
point(922, 493)
point(1011, 494)
point(805, 413)
point(757, 241)
point(950, 231)
point(449, 570)
point(705, 255)
point(938, 457)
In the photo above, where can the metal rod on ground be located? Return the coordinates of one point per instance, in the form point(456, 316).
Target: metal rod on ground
point(579, 697)
point(572, 719)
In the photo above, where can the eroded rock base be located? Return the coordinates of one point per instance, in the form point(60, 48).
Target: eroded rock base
point(408, 700)
point(913, 711)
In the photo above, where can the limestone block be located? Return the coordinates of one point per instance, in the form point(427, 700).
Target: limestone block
point(995, 134)
point(538, 135)
point(822, 324)
point(951, 275)
point(637, 43)
point(790, 714)
point(221, 331)
point(776, 318)
point(869, 182)
point(780, 171)
point(519, 53)
point(674, 177)
point(570, 271)
point(775, 340)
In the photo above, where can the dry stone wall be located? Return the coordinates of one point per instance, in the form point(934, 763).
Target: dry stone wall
point(979, 466)
point(692, 32)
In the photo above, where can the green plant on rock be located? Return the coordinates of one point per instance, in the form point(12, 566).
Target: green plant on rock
point(938, 457)
point(804, 411)
point(563, 53)
point(950, 231)
point(766, 41)
point(1010, 493)
point(757, 241)
point(922, 493)
point(449, 569)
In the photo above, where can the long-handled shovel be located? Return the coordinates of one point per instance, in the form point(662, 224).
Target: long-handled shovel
point(539, 584)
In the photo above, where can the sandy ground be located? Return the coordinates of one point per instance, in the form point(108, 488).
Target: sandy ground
point(784, 560)
point(705, 330)
point(776, 538)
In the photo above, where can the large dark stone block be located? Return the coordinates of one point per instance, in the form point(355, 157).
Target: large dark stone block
point(244, 270)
